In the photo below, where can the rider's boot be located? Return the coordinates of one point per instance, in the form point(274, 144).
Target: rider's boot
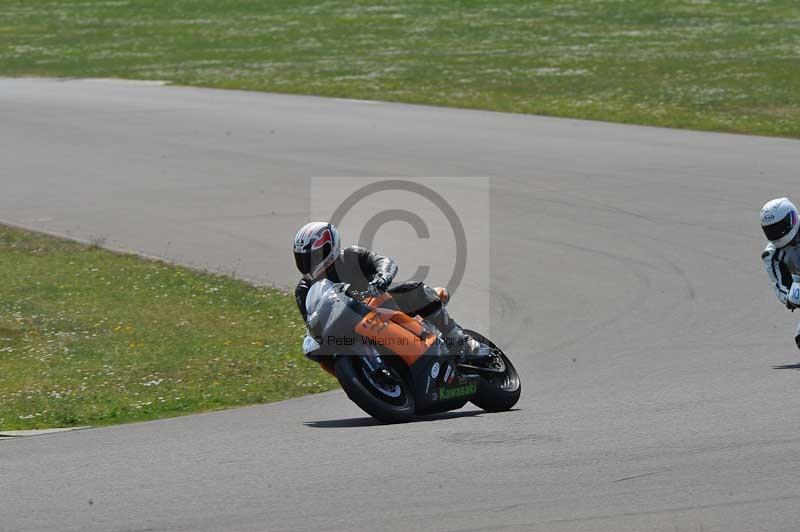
point(459, 342)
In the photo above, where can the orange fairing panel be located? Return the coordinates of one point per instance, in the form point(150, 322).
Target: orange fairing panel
point(412, 325)
point(378, 300)
point(399, 340)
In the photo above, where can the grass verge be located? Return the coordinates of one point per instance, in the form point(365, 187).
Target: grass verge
point(92, 337)
point(730, 65)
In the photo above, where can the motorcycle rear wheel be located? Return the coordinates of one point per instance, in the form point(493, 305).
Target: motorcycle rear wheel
point(500, 392)
point(350, 372)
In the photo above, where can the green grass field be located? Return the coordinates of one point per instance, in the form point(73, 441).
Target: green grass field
point(91, 337)
point(729, 65)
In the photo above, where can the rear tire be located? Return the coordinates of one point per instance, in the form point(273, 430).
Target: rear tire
point(349, 372)
point(497, 393)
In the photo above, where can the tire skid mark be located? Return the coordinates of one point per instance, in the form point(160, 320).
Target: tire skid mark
point(637, 266)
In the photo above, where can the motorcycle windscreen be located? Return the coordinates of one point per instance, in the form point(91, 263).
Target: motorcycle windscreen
point(331, 313)
point(318, 294)
point(397, 339)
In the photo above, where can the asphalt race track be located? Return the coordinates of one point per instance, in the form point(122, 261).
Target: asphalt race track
point(628, 288)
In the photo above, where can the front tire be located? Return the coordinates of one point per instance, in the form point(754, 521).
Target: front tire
point(500, 392)
point(350, 371)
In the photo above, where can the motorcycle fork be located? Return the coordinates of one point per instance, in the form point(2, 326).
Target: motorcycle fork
point(373, 362)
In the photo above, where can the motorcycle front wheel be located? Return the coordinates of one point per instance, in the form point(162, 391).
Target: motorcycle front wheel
point(388, 402)
point(497, 392)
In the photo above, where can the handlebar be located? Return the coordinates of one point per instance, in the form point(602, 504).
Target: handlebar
point(360, 295)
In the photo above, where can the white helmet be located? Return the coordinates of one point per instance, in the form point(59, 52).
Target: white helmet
point(316, 247)
point(779, 221)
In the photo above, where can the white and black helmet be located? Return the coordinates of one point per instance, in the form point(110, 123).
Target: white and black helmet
point(779, 221)
point(316, 247)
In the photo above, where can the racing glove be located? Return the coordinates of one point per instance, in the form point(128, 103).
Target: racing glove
point(378, 285)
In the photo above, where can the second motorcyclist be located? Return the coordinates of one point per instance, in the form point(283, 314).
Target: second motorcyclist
point(781, 225)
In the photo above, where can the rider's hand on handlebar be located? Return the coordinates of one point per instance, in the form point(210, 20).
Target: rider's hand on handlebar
point(377, 286)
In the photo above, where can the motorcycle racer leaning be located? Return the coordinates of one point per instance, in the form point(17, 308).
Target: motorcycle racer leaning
point(779, 220)
point(318, 255)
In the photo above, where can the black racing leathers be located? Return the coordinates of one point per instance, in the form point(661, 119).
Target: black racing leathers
point(356, 266)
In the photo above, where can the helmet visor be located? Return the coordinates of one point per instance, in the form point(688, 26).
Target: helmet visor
point(780, 228)
point(308, 260)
